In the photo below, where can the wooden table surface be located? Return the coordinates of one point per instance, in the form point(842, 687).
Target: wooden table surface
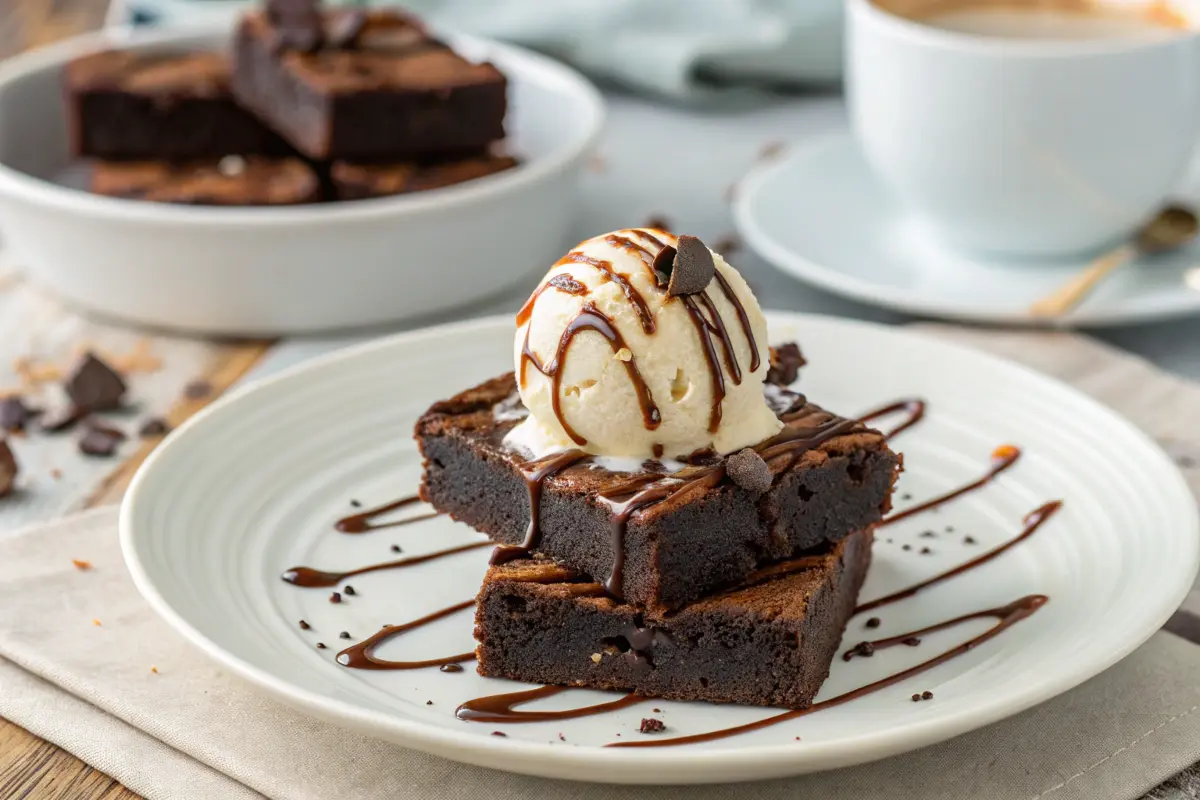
point(33, 325)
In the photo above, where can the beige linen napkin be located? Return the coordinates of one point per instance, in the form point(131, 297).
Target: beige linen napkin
point(191, 730)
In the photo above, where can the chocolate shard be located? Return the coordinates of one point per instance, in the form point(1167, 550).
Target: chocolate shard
point(15, 415)
point(694, 267)
point(346, 29)
point(748, 470)
point(98, 443)
point(61, 419)
point(8, 469)
point(94, 385)
point(156, 426)
point(786, 361)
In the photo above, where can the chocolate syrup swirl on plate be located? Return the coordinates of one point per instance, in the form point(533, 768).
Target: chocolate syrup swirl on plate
point(363, 522)
point(913, 407)
point(502, 707)
point(1006, 617)
point(1003, 457)
point(310, 578)
point(362, 655)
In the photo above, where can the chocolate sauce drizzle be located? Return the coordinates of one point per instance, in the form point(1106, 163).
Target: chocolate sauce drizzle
point(310, 578)
point(1033, 520)
point(589, 318)
point(362, 655)
point(502, 707)
point(362, 523)
point(1003, 457)
point(912, 637)
point(913, 407)
point(1006, 617)
point(535, 474)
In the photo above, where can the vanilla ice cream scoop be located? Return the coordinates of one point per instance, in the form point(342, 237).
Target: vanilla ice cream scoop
point(625, 350)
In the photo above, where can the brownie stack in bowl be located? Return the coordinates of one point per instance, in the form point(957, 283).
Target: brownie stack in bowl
point(673, 519)
point(314, 105)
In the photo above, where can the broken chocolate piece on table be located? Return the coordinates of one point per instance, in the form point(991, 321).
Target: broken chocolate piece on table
point(786, 361)
point(99, 442)
point(748, 470)
point(15, 415)
point(94, 385)
point(61, 419)
point(8, 469)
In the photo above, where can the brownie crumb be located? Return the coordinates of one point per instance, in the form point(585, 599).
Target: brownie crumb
point(911, 641)
point(873, 622)
point(652, 725)
point(100, 443)
point(335, 597)
point(916, 698)
point(396, 549)
point(197, 390)
point(81, 565)
point(925, 551)
point(428, 702)
point(906, 496)
point(928, 535)
point(9, 469)
point(15, 415)
point(969, 540)
point(349, 590)
point(344, 635)
point(949, 529)
point(786, 361)
point(499, 733)
point(657, 710)
point(151, 428)
point(906, 547)
point(355, 504)
point(926, 695)
point(864, 649)
point(320, 645)
point(304, 626)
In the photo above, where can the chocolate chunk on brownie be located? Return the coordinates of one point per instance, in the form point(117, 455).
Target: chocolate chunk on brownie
point(125, 104)
point(359, 181)
point(390, 92)
point(769, 643)
point(702, 533)
point(230, 181)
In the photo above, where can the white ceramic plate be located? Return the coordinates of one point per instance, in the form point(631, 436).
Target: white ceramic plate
point(253, 485)
point(268, 271)
point(820, 214)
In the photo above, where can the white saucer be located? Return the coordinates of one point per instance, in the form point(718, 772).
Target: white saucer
point(820, 214)
point(253, 486)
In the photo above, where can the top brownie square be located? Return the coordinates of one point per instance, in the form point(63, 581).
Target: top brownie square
point(708, 535)
point(377, 88)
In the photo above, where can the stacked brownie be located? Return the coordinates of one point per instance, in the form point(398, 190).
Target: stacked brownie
point(691, 583)
point(314, 105)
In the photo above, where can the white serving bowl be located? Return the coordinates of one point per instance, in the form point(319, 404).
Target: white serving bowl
point(266, 271)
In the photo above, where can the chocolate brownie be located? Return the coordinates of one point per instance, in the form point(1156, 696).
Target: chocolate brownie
point(131, 105)
point(230, 181)
point(704, 532)
point(358, 181)
point(390, 92)
point(769, 643)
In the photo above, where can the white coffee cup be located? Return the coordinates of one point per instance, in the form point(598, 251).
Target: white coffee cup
point(1024, 146)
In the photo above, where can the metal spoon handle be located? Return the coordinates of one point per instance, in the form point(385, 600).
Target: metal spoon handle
point(1071, 293)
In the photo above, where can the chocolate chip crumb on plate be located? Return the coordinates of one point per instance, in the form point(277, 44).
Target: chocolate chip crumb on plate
point(186, 520)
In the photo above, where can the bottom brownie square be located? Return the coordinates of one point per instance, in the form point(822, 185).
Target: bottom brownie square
point(769, 642)
point(230, 181)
